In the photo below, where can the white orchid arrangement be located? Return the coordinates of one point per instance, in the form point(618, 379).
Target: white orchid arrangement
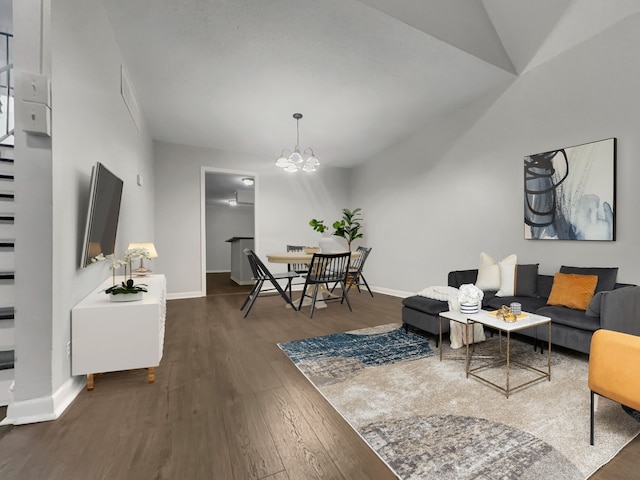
point(128, 257)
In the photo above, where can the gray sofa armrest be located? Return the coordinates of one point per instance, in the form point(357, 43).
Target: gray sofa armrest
point(620, 310)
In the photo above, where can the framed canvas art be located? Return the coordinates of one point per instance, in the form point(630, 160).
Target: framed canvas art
point(569, 194)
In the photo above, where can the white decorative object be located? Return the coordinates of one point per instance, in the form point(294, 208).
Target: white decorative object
point(468, 295)
point(126, 297)
point(516, 308)
point(329, 244)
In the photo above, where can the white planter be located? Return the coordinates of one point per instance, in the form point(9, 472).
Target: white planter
point(126, 297)
point(329, 244)
point(469, 308)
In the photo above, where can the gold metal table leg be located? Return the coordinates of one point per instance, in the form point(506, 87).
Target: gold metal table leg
point(440, 336)
point(508, 359)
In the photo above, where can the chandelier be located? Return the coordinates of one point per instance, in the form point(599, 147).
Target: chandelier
point(295, 161)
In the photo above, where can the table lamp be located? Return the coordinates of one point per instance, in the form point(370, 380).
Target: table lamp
point(149, 247)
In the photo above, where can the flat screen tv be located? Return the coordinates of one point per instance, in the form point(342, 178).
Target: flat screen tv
point(102, 217)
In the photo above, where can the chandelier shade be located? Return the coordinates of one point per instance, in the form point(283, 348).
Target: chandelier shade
point(294, 161)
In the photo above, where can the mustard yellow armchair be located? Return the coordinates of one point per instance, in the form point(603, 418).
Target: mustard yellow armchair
point(614, 363)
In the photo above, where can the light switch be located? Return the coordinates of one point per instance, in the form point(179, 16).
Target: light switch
point(35, 88)
point(36, 118)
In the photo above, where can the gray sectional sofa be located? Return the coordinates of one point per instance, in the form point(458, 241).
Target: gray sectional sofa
point(615, 306)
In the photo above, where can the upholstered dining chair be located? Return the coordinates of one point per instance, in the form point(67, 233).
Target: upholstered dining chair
point(614, 363)
point(261, 274)
point(326, 268)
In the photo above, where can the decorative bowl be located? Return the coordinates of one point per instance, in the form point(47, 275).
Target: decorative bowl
point(311, 250)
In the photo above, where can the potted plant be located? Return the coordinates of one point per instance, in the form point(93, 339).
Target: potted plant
point(349, 227)
point(126, 291)
point(318, 225)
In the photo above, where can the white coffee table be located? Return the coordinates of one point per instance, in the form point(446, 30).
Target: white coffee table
point(531, 320)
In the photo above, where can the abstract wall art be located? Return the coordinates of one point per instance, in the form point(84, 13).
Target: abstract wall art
point(569, 194)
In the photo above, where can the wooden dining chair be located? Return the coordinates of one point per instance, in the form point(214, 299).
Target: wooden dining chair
point(325, 269)
point(261, 274)
point(296, 267)
point(355, 277)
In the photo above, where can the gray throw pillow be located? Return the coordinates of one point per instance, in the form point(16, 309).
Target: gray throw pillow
point(606, 275)
point(526, 280)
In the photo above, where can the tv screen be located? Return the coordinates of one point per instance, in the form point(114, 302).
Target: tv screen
point(102, 217)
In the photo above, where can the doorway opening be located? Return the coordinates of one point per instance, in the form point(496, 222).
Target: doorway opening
point(228, 212)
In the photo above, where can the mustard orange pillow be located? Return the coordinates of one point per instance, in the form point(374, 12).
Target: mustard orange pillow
point(572, 290)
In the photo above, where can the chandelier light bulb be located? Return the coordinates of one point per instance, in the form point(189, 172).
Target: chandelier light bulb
point(296, 157)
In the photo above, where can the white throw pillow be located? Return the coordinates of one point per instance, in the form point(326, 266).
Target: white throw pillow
point(489, 271)
point(507, 279)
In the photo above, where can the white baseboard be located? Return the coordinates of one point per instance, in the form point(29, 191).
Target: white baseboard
point(393, 293)
point(47, 408)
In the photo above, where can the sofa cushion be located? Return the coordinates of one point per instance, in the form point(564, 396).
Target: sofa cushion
point(572, 290)
point(460, 277)
point(489, 271)
point(518, 280)
point(426, 305)
point(569, 317)
point(529, 304)
point(606, 275)
point(545, 282)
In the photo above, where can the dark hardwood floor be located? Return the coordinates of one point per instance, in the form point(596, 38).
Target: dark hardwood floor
point(227, 404)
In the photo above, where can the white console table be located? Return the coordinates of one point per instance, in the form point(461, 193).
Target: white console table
point(112, 336)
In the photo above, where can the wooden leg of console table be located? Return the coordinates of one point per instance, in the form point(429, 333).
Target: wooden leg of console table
point(90, 382)
point(152, 374)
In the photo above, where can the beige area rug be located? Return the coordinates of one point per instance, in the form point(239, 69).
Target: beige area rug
point(426, 420)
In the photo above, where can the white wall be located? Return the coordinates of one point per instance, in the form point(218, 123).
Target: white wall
point(458, 188)
point(222, 223)
point(90, 123)
point(284, 205)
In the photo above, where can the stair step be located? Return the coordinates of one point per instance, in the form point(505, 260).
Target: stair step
point(4, 176)
point(7, 359)
point(7, 313)
point(7, 218)
point(7, 243)
point(6, 196)
point(7, 275)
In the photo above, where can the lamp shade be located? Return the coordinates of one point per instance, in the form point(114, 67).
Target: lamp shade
point(147, 246)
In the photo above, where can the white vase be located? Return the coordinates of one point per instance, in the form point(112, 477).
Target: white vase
point(329, 244)
point(126, 297)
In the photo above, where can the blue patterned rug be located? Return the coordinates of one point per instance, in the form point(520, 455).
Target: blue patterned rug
point(426, 420)
point(332, 358)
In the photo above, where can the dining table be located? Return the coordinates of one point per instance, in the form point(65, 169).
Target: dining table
point(305, 258)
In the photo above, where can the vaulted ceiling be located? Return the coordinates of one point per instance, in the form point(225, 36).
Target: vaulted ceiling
point(366, 74)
